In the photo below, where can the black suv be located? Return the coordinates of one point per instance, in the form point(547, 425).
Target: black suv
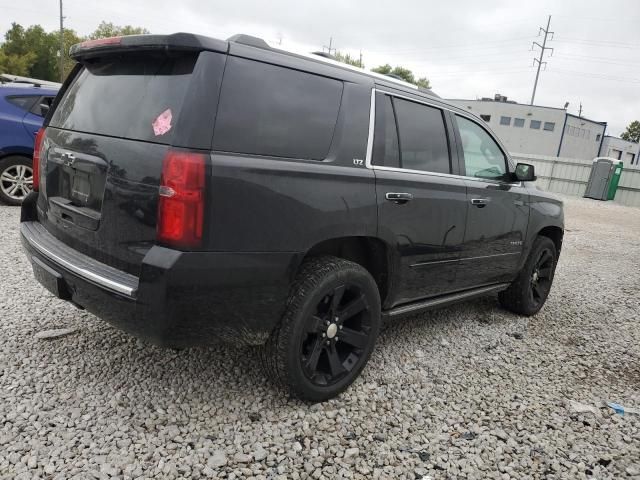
point(189, 190)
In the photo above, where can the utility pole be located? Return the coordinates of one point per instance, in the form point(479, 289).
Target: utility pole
point(360, 61)
point(580, 111)
point(61, 45)
point(543, 48)
point(329, 47)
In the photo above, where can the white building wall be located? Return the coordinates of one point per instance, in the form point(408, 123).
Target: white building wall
point(521, 139)
point(582, 138)
point(624, 150)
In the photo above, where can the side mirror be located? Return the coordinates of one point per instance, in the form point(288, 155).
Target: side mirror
point(44, 109)
point(525, 172)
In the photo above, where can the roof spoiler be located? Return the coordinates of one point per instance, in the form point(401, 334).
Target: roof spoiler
point(176, 41)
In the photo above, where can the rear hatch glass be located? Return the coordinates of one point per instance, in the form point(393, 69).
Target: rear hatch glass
point(124, 96)
point(103, 153)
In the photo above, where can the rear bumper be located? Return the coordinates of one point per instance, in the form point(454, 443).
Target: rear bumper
point(180, 299)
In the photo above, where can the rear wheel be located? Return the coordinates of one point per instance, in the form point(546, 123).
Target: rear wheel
point(529, 291)
point(16, 179)
point(327, 332)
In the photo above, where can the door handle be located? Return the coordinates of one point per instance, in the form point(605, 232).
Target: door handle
point(398, 197)
point(479, 202)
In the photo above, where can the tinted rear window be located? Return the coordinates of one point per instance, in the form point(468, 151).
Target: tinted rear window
point(423, 138)
point(137, 96)
point(276, 111)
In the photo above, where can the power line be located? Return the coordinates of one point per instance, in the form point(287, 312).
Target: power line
point(497, 44)
point(607, 62)
point(594, 75)
point(543, 47)
point(597, 43)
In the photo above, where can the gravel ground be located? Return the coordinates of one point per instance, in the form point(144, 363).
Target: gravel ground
point(466, 392)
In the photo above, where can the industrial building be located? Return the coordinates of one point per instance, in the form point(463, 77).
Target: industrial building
point(539, 130)
point(614, 147)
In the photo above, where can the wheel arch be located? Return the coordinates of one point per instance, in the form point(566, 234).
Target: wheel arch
point(20, 152)
point(370, 252)
point(554, 233)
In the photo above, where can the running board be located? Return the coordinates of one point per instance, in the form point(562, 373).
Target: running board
point(443, 301)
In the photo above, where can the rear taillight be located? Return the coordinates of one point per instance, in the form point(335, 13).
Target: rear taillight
point(181, 201)
point(37, 149)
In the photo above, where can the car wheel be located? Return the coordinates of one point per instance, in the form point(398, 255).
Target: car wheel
point(529, 291)
point(16, 179)
point(327, 332)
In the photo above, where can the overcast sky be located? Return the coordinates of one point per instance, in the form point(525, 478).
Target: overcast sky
point(467, 48)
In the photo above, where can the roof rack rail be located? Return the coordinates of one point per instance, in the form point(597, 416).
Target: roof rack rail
point(319, 57)
point(324, 55)
point(15, 80)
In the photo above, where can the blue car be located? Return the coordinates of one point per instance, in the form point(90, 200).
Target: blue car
point(22, 111)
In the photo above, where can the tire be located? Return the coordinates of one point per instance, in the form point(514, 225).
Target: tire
point(330, 298)
point(528, 292)
point(16, 179)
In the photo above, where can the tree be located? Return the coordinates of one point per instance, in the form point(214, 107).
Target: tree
point(35, 42)
point(404, 73)
point(69, 38)
point(632, 133)
point(32, 52)
point(108, 29)
point(348, 59)
point(16, 64)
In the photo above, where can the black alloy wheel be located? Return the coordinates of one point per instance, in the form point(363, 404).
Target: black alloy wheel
point(336, 336)
point(529, 291)
point(541, 276)
point(327, 332)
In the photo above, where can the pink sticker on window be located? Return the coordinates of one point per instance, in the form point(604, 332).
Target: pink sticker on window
point(162, 124)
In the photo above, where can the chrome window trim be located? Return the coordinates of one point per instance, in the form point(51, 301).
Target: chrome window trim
point(372, 125)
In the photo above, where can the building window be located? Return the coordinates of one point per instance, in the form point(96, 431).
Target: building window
point(505, 120)
point(597, 137)
point(518, 122)
point(549, 126)
point(486, 118)
point(535, 124)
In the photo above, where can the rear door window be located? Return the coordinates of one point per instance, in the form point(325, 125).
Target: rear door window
point(275, 111)
point(423, 137)
point(134, 96)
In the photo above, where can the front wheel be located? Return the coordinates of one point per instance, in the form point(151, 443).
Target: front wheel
point(528, 292)
point(327, 332)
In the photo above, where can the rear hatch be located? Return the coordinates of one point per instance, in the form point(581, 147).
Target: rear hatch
point(104, 146)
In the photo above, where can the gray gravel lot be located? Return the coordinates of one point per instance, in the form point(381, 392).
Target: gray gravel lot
point(470, 391)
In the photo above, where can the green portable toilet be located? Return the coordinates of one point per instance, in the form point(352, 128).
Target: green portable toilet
point(615, 179)
point(604, 178)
